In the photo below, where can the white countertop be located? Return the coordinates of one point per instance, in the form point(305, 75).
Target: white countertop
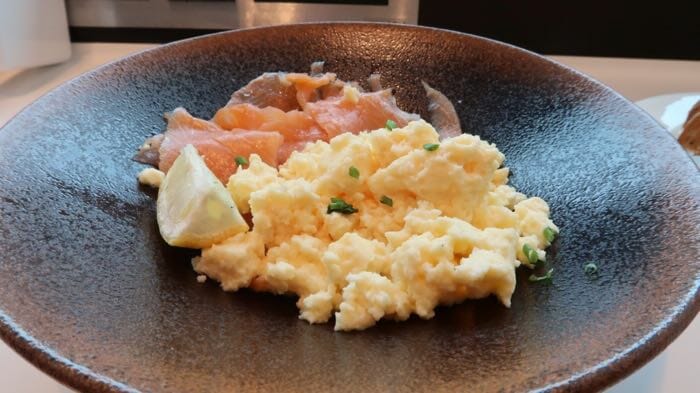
point(672, 371)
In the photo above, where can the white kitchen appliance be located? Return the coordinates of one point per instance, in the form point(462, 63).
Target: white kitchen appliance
point(33, 33)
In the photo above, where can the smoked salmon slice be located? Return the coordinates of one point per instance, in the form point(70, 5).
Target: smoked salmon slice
point(180, 118)
point(297, 128)
point(149, 152)
point(443, 115)
point(220, 148)
point(217, 146)
point(284, 91)
point(368, 111)
point(278, 113)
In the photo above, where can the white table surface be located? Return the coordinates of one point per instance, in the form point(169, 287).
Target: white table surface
point(672, 371)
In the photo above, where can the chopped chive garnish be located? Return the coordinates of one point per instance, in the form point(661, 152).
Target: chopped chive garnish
point(591, 269)
point(431, 146)
point(353, 172)
point(386, 200)
point(546, 278)
point(240, 160)
point(390, 124)
point(549, 234)
point(530, 254)
point(340, 206)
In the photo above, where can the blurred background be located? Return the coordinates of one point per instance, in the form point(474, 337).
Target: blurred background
point(649, 29)
point(40, 32)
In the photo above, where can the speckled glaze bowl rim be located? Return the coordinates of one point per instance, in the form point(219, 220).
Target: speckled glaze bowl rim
point(599, 377)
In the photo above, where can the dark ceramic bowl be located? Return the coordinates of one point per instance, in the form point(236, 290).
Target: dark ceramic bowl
point(91, 295)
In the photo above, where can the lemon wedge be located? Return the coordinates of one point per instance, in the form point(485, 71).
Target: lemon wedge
point(194, 209)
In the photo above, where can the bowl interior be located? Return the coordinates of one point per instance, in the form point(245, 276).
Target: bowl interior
point(91, 294)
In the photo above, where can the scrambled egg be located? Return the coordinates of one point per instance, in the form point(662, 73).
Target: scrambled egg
point(151, 177)
point(419, 227)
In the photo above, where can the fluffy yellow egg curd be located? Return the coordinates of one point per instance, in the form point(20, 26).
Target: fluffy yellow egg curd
point(382, 224)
